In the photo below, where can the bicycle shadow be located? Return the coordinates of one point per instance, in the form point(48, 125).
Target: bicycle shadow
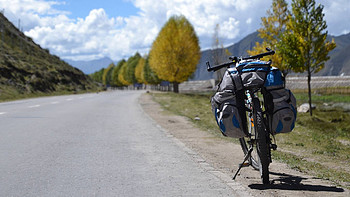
point(290, 182)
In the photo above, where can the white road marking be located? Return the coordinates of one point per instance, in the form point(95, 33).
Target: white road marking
point(81, 97)
point(34, 106)
point(69, 99)
point(55, 102)
point(1, 113)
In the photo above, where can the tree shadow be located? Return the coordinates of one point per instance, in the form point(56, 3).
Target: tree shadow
point(290, 182)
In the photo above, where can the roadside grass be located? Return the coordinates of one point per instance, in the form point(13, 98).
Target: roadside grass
point(319, 145)
point(9, 93)
point(190, 106)
point(322, 98)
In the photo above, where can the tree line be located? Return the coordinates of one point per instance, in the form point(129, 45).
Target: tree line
point(173, 57)
point(133, 71)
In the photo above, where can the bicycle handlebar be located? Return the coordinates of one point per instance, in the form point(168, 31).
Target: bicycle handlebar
point(270, 52)
point(217, 67)
point(235, 59)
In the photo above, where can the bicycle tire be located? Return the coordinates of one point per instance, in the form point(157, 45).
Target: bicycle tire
point(261, 141)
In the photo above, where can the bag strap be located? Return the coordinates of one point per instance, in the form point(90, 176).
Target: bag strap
point(283, 98)
point(217, 90)
point(237, 80)
point(281, 109)
point(290, 94)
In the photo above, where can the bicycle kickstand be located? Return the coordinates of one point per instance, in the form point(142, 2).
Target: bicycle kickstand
point(242, 164)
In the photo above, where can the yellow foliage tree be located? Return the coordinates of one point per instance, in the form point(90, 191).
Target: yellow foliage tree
point(139, 73)
point(175, 52)
point(271, 31)
point(122, 73)
point(304, 45)
point(106, 77)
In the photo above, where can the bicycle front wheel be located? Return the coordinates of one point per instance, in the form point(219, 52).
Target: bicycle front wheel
point(262, 146)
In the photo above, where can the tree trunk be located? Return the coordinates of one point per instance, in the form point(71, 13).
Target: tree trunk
point(176, 87)
point(309, 89)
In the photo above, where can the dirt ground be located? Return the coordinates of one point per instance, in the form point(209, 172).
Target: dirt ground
point(221, 157)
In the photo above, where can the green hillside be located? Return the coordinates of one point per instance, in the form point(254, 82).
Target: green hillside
point(26, 69)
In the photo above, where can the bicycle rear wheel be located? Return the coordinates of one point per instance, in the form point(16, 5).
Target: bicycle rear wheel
point(262, 146)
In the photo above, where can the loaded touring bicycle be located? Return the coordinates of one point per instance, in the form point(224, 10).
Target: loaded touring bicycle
point(240, 113)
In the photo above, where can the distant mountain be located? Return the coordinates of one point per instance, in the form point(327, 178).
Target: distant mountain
point(238, 49)
point(25, 67)
point(92, 66)
point(338, 64)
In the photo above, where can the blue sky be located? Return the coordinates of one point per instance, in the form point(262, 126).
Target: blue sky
point(92, 29)
point(82, 8)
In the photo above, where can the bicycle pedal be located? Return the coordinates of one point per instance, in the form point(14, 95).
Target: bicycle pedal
point(245, 164)
point(273, 146)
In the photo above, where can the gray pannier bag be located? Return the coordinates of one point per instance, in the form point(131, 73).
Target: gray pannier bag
point(226, 105)
point(279, 102)
point(283, 115)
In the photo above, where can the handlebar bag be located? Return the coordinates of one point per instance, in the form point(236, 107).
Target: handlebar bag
point(253, 73)
point(282, 110)
point(227, 114)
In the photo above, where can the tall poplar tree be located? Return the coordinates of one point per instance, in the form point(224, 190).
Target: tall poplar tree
point(115, 73)
point(271, 32)
point(97, 76)
point(139, 70)
point(130, 69)
point(149, 75)
point(175, 52)
point(304, 44)
point(107, 75)
point(122, 74)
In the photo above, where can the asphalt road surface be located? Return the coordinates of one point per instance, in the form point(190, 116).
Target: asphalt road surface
point(94, 145)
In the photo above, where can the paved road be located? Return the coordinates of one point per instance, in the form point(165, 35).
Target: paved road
point(94, 145)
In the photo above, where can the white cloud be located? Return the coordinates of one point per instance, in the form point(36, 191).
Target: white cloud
point(249, 20)
point(337, 16)
point(98, 35)
point(33, 13)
